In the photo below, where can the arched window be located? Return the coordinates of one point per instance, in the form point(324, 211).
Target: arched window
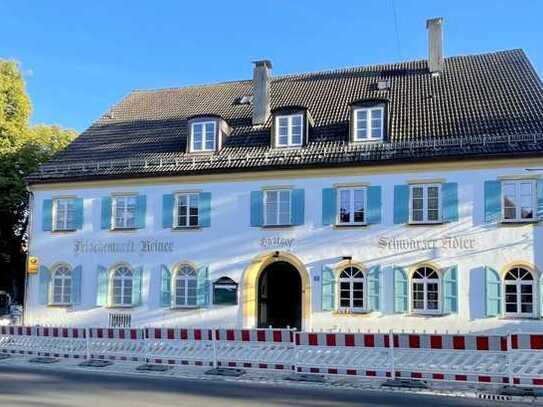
point(352, 284)
point(425, 291)
point(519, 292)
point(122, 286)
point(61, 285)
point(185, 286)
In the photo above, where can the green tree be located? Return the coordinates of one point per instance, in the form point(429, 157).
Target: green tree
point(22, 149)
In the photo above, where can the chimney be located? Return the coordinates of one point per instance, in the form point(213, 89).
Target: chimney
point(261, 91)
point(435, 45)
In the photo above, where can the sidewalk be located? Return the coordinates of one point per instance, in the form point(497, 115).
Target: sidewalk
point(275, 378)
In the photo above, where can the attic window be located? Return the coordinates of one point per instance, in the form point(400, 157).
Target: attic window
point(369, 123)
point(244, 100)
point(203, 135)
point(289, 130)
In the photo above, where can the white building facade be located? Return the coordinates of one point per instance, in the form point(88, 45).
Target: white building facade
point(444, 241)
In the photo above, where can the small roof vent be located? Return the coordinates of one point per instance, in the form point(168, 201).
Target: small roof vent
point(244, 100)
point(383, 85)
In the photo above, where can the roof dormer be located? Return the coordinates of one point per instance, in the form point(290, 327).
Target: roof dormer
point(290, 127)
point(206, 133)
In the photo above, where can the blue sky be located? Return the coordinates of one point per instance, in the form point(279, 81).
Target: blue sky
point(79, 58)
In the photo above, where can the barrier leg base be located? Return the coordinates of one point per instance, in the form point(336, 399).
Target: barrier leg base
point(96, 363)
point(4, 356)
point(301, 377)
point(225, 371)
point(152, 368)
point(405, 383)
point(519, 391)
point(43, 359)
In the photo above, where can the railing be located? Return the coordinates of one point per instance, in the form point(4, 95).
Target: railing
point(343, 152)
point(515, 359)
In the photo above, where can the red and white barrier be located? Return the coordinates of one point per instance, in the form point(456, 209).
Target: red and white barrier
point(116, 344)
point(43, 341)
point(497, 359)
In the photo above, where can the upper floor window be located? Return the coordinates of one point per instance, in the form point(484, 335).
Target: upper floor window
point(352, 284)
point(369, 123)
point(122, 286)
point(425, 203)
point(518, 200)
point(203, 136)
point(185, 287)
point(61, 286)
point(64, 214)
point(425, 291)
point(277, 204)
point(519, 292)
point(289, 130)
point(124, 212)
point(186, 209)
point(351, 206)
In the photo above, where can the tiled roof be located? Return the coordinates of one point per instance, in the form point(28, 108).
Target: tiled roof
point(489, 104)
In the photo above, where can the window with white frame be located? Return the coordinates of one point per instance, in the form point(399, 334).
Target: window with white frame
point(64, 214)
point(277, 207)
point(351, 206)
point(289, 130)
point(122, 284)
point(124, 212)
point(519, 292)
point(203, 136)
point(185, 287)
point(186, 209)
point(352, 285)
point(425, 291)
point(425, 203)
point(61, 285)
point(369, 123)
point(518, 200)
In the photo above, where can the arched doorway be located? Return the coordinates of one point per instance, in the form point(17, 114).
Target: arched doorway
point(279, 296)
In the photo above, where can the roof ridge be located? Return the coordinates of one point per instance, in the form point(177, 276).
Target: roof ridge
point(329, 71)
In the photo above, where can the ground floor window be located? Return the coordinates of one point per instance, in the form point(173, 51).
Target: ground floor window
point(519, 292)
point(122, 286)
point(352, 284)
point(185, 286)
point(62, 286)
point(425, 291)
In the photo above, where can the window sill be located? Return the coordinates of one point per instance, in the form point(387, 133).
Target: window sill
point(351, 312)
point(425, 223)
point(59, 305)
point(350, 225)
point(426, 314)
point(518, 318)
point(276, 226)
point(134, 229)
point(184, 307)
point(368, 141)
point(121, 306)
point(203, 152)
point(186, 228)
point(514, 222)
point(63, 231)
point(283, 148)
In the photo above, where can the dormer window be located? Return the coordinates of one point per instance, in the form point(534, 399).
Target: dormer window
point(369, 123)
point(289, 130)
point(203, 136)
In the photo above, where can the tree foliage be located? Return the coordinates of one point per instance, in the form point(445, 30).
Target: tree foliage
point(22, 149)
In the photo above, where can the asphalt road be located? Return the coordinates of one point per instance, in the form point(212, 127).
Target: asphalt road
point(46, 388)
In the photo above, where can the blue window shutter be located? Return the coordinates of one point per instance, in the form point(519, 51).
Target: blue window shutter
point(540, 200)
point(400, 290)
point(78, 213)
point(102, 282)
point(493, 292)
point(401, 204)
point(257, 208)
point(167, 210)
point(47, 215)
point(449, 201)
point(76, 285)
point(450, 290)
point(328, 285)
point(44, 278)
point(374, 205)
point(202, 287)
point(165, 286)
point(493, 201)
point(329, 206)
point(106, 213)
point(541, 295)
point(298, 206)
point(141, 206)
point(204, 209)
point(374, 288)
point(137, 286)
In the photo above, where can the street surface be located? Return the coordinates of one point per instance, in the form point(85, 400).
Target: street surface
point(31, 386)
